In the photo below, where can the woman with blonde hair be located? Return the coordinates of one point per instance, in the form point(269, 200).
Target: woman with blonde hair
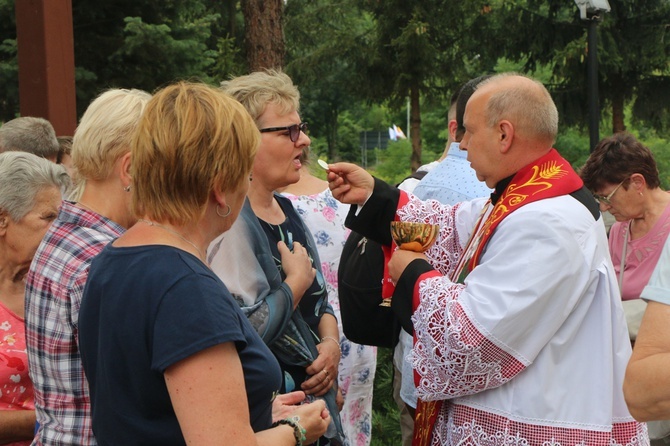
point(97, 211)
point(168, 354)
point(285, 298)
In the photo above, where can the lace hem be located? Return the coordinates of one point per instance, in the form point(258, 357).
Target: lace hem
point(462, 425)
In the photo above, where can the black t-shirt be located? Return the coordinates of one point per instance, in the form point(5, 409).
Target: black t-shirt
point(143, 310)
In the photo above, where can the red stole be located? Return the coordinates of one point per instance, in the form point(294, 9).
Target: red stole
point(547, 177)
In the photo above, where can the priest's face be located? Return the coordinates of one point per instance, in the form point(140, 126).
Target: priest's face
point(481, 141)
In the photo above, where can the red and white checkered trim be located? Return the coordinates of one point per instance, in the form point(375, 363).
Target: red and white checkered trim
point(469, 426)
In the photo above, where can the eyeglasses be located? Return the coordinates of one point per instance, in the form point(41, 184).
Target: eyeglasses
point(293, 130)
point(606, 199)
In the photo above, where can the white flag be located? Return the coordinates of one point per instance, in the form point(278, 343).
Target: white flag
point(392, 134)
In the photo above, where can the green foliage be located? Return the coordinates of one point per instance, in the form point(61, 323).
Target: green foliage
point(661, 150)
point(325, 39)
point(9, 75)
point(385, 414)
point(573, 145)
point(227, 59)
point(130, 44)
point(182, 46)
point(348, 138)
point(9, 69)
point(434, 131)
point(633, 51)
point(393, 163)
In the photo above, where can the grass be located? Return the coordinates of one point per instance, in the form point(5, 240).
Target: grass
point(385, 414)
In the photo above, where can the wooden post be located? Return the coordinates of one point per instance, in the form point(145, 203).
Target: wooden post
point(46, 62)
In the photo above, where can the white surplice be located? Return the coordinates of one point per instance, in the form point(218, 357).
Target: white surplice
point(532, 348)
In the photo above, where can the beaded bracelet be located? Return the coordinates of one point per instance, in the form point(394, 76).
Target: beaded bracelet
point(334, 340)
point(298, 431)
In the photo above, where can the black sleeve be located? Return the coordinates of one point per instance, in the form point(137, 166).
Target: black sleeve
point(374, 220)
point(404, 291)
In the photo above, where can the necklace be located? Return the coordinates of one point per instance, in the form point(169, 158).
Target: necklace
point(172, 231)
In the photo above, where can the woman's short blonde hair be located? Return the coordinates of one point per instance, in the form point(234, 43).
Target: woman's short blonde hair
point(104, 134)
point(190, 139)
point(256, 90)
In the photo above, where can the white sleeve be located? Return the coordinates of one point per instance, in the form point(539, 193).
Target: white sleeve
point(478, 335)
point(658, 288)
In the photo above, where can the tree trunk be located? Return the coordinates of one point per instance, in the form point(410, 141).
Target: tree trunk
point(232, 8)
point(415, 126)
point(618, 107)
point(264, 33)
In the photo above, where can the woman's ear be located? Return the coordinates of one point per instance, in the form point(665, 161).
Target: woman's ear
point(124, 173)
point(219, 196)
point(4, 222)
point(638, 181)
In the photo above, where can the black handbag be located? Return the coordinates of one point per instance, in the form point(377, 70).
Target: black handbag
point(360, 276)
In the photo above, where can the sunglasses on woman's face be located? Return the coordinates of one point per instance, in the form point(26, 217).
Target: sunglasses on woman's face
point(293, 130)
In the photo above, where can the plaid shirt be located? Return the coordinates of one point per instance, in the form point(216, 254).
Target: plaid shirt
point(54, 287)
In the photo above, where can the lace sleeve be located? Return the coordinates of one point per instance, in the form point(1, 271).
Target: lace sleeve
point(452, 357)
point(443, 255)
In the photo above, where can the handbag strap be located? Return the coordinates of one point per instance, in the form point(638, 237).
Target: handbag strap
point(624, 251)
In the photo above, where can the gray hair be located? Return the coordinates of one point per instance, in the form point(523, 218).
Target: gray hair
point(22, 176)
point(260, 88)
point(28, 134)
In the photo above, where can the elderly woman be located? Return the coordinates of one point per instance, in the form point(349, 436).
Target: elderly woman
point(184, 366)
point(286, 301)
point(30, 193)
point(98, 212)
point(622, 174)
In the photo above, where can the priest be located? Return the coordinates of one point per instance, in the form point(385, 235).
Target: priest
point(519, 334)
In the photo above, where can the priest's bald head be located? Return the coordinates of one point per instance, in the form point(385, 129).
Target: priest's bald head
point(510, 121)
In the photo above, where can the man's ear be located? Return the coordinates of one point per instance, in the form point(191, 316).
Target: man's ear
point(505, 135)
point(452, 126)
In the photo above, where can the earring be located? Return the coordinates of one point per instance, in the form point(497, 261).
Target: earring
point(127, 188)
point(223, 215)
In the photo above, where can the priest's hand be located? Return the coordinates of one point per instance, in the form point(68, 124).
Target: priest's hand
point(399, 261)
point(350, 183)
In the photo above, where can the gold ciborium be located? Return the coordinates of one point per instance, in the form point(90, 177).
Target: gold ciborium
point(412, 236)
